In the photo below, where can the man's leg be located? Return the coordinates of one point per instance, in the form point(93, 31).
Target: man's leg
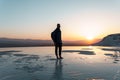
point(60, 49)
point(56, 47)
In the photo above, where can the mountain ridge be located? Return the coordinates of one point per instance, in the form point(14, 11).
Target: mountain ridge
point(109, 40)
point(12, 42)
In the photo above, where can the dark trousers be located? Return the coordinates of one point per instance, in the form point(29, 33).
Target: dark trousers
point(58, 48)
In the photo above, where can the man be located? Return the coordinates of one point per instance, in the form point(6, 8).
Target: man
point(56, 37)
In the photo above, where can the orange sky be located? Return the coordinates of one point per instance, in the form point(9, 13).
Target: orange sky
point(79, 19)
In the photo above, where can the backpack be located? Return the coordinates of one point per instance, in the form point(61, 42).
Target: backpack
point(53, 36)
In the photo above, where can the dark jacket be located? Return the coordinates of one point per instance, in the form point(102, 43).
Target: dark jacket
point(56, 36)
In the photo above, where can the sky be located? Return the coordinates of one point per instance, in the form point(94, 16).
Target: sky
point(79, 19)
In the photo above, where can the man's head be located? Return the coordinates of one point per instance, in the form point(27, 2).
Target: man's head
point(58, 25)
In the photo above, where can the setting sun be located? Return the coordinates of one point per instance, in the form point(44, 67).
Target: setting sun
point(90, 29)
point(89, 37)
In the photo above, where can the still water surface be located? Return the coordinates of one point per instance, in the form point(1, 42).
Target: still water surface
point(79, 63)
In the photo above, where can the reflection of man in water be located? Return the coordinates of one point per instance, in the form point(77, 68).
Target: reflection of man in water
point(57, 75)
point(56, 37)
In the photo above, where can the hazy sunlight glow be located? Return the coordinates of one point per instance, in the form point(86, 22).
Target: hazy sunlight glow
point(90, 28)
point(89, 37)
point(79, 19)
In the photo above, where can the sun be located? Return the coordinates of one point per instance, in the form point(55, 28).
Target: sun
point(89, 37)
point(90, 32)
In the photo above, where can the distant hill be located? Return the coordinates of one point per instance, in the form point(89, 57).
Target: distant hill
point(110, 40)
point(8, 42)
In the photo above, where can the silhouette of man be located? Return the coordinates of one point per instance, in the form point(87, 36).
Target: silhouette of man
point(56, 37)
